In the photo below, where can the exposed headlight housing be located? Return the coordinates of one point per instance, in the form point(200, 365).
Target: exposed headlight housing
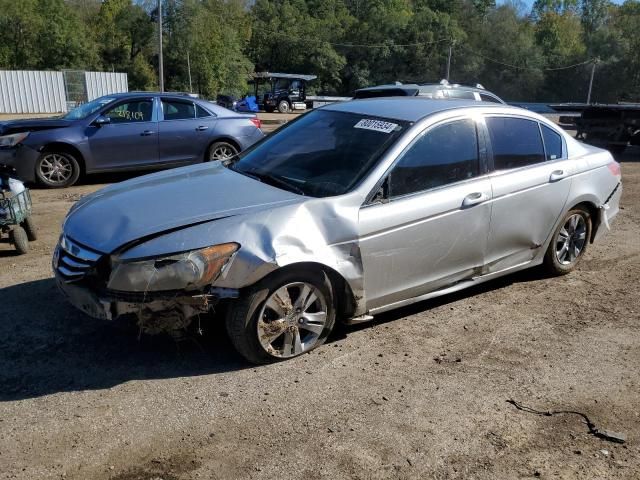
point(184, 271)
point(13, 139)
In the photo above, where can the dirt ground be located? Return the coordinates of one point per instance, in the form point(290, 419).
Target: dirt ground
point(417, 393)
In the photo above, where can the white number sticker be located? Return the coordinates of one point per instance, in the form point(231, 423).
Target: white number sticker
point(376, 125)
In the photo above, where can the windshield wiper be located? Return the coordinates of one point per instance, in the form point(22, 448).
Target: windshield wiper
point(276, 182)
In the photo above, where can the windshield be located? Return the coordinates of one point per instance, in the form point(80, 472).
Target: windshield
point(89, 108)
point(323, 153)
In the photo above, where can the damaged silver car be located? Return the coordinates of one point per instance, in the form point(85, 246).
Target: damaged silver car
point(351, 210)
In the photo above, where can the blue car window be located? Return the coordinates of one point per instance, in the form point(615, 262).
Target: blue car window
point(131, 112)
point(201, 112)
point(177, 110)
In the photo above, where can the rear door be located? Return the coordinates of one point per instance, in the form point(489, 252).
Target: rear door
point(130, 139)
point(433, 230)
point(530, 181)
point(185, 128)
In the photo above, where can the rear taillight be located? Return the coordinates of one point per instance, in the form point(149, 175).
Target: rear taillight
point(614, 168)
point(256, 121)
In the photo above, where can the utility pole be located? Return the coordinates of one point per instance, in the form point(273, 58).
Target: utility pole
point(189, 72)
point(160, 66)
point(449, 61)
point(593, 71)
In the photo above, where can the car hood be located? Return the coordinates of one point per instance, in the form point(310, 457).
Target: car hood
point(167, 201)
point(32, 125)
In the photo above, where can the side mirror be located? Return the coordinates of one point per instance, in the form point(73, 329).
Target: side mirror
point(101, 120)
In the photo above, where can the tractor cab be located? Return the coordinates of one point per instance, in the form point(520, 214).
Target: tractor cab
point(281, 91)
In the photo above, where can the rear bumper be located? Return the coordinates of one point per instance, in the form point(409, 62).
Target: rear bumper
point(23, 159)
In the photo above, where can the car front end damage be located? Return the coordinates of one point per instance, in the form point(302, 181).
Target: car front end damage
point(164, 293)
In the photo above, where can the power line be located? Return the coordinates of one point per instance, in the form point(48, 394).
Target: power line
point(520, 67)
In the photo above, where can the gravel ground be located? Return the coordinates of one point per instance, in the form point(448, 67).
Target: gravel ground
point(418, 393)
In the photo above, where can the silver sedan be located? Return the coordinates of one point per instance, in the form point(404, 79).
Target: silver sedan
point(353, 209)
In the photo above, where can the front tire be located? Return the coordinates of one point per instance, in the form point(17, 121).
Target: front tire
point(284, 107)
point(57, 169)
point(569, 243)
point(283, 316)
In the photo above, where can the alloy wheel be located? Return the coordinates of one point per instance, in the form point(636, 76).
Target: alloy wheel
point(56, 168)
point(222, 152)
point(292, 320)
point(571, 239)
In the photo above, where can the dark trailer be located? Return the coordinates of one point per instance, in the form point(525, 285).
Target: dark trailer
point(284, 91)
point(611, 126)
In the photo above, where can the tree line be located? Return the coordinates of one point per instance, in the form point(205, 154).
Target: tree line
point(211, 46)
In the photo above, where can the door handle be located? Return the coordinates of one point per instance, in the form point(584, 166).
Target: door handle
point(557, 175)
point(146, 133)
point(474, 199)
point(201, 128)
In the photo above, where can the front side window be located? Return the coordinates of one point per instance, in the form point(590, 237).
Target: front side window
point(321, 154)
point(136, 111)
point(445, 154)
point(516, 142)
point(552, 143)
point(176, 110)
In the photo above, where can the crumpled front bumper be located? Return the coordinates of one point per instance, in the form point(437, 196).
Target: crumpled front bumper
point(23, 158)
point(85, 300)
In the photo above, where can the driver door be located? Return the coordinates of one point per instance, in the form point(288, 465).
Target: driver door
point(130, 139)
point(432, 229)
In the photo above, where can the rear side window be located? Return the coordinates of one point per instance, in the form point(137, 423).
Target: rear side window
point(176, 110)
point(489, 98)
point(516, 142)
point(462, 94)
point(552, 143)
point(446, 154)
point(201, 112)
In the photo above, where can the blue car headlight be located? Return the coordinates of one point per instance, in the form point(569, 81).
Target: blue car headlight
point(13, 139)
point(183, 271)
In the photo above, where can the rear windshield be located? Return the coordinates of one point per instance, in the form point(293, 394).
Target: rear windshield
point(323, 153)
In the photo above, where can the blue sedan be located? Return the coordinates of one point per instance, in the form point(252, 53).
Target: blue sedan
point(127, 131)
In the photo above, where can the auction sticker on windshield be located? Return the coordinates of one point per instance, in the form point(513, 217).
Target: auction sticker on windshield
point(376, 125)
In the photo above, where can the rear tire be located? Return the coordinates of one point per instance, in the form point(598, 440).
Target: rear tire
point(220, 151)
point(31, 229)
point(56, 169)
point(263, 335)
point(19, 238)
point(569, 242)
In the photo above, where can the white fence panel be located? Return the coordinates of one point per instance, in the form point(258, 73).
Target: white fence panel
point(104, 83)
point(28, 91)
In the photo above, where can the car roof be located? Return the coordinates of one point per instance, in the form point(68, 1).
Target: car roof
point(409, 109)
point(424, 87)
point(146, 94)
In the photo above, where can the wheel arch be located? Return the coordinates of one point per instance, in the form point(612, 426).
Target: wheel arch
point(594, 212)
point(223, 138)
point(343, 293)
point(66, 148)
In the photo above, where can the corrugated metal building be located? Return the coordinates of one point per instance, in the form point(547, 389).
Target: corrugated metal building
point(27, 91)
